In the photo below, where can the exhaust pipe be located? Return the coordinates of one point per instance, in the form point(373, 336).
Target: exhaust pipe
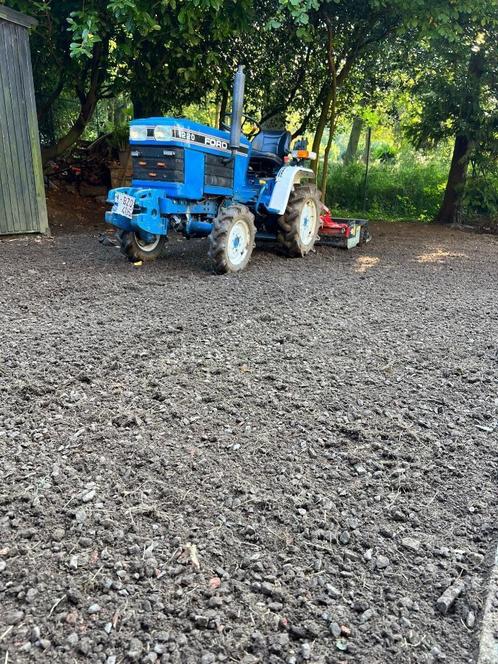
point(237, 107)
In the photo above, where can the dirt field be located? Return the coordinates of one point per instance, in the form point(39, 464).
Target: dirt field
point(290, 465)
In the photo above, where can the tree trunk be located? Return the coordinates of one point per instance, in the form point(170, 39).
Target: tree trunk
point(354, 138)
point(143, 106)
point(366, 150)
point(67, 141)
point(320, 128)
point(325, 168)
point(88, 101)
point(333, 116)
point(49, 101)
point(469, 111)
point(330, 98)
point(456, 181)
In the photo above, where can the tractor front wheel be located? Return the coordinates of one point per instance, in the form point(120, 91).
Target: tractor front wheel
point(299, 225)
point(137, 248)
point(232, 239)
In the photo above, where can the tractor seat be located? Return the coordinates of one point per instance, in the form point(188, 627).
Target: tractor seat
point(269, 148)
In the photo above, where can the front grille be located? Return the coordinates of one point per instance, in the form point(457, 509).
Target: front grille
point(218, 171)
point(159, 164)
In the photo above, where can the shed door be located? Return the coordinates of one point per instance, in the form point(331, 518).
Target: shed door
point(22, 196)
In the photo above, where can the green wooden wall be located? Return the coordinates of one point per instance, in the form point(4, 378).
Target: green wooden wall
point(22, 194)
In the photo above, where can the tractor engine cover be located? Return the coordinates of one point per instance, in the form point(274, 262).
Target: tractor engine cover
point(185, 159)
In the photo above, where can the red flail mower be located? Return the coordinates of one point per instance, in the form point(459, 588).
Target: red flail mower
point(343, 233)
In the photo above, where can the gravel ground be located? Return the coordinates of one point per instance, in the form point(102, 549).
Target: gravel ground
point(289, 465)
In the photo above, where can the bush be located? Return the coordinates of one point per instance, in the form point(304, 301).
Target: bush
point(384, 152)
point(481, 196)
point(400, 191)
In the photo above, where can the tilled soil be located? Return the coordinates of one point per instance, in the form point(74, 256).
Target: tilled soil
point(288, 465)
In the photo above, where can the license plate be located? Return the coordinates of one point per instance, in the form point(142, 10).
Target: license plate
point(123, 205)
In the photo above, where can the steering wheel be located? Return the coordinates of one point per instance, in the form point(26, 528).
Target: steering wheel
point(245, 118)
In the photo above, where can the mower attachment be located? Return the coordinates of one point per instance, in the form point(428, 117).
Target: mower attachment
point(344, 233)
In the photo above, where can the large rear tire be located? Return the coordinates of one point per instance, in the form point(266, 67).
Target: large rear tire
point(232, 239)
point(300, 224)
point(137, 249)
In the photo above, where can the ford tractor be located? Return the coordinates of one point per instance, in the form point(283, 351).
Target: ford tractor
point(229, 185)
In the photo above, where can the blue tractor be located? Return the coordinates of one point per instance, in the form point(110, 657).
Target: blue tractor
point(202, 181)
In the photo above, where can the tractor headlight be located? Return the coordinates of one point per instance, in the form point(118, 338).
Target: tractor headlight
point(162, 133)
point(138, 133)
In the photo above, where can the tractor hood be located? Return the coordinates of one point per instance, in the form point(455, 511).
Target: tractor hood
point(160, 131)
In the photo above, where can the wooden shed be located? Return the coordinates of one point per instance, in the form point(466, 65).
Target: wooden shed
point(23, 207)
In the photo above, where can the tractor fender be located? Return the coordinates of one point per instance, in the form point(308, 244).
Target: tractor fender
point(285, 180)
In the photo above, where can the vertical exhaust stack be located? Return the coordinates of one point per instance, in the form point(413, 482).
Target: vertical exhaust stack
point(237, 107)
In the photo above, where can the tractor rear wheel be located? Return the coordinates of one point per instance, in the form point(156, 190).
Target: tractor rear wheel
point(232, 239)
point(299, 225)
point(136, 248)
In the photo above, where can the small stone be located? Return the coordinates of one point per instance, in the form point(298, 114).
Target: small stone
point(437, 653)
point(3, 565)
point(14, 617)
point(470, 620)
point(475, 558)
point(341, 644)
point(208, 658)
point(249, 659)
point(80, 516)
point(35, 633)
point(333, 591)
point(85, 646)
point(361, 470)
point(88, 496)
point(150, 658)
point(31, 594)
point(108, 628)
point(45, 644)
point(201, 622)
point(411, 544)
point(111, 659)
point(58, 534)
point(73, 562)
point(135, 648)
point(73, 639)
point(407, 602)
point(267, 589)
point(386, 532)
point(306, 651)
point(274, 606)
point(335, 629)
point(215, 583)
point(94, 608)
point(344, 537)
point(366, 615)
point(450, 595)
point(381, 562)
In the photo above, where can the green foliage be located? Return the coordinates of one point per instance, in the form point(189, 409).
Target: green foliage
point(396, 64)
point(481, 196)
point(384, 152)
point(401, 191)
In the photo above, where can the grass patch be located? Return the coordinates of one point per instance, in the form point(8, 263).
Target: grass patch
point(401, 191)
